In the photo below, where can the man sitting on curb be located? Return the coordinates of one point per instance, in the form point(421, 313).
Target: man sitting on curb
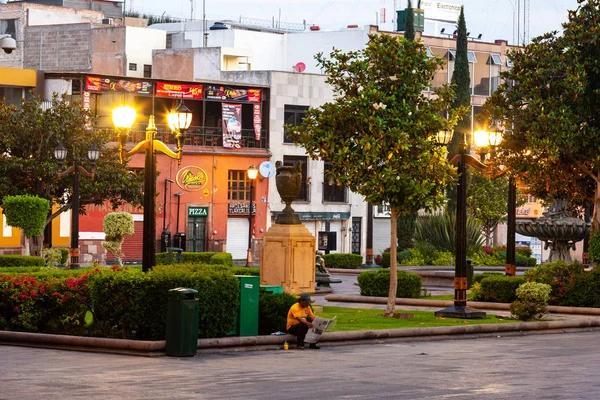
point(299, 320)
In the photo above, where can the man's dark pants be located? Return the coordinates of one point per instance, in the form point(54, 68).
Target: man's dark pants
point(299, 330)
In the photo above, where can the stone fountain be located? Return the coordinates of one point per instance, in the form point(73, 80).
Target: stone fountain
point(558, 229)
point(288, 252)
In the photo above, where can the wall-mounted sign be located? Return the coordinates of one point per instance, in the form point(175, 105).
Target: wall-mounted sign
point(240, 208)
point(440, 11)
point(257, 121)
point(198, 212)
point(229, 93)
point(177, 90)
point(191, 178)
point(101, 84)
point(232, 125)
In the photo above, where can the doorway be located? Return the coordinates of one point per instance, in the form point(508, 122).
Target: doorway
point(196, 235)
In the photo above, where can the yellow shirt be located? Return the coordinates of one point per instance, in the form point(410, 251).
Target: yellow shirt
point(297, 311)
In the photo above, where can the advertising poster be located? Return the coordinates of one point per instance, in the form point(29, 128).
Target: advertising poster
point(102, 84)
point(257, 122)
point(232, 125)
point(179, 90)
point(222, 92)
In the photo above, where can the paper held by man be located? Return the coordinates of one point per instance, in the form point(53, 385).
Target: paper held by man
point(319, 326)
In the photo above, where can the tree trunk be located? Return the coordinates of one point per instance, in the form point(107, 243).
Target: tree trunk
point(391, 304)
point(27, 248)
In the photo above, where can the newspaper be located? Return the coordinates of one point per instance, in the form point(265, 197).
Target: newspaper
point(319, 325)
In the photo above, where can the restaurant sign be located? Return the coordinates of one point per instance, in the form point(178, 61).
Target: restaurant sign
point(191, 178)
point(198, 212)
point(229, 93)
point(179, 90)
point(103, 84)
point(241, 208)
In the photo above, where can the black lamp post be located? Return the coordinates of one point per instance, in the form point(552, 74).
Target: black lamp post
point(165, 237)
point(511, 265)
point(252, 174)
point(179, 120)
point(460, 309)
point(60, 154)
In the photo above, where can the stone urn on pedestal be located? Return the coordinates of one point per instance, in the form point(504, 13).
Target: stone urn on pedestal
point(288, 252)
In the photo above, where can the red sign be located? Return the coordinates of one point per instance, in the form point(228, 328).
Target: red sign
point(254, 95)
point(177, 90)
point(100, 84)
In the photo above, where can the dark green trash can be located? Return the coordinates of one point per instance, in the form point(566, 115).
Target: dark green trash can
point(182, 322)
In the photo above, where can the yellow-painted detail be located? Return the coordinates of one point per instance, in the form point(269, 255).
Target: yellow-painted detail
point(18, 77)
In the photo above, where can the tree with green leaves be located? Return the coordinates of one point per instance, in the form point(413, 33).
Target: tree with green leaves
point(117, 225)
point(27, 213)
point(409, 29)
point(461, 81)
point(549, 101)
point(28, 136)
point(377, 132)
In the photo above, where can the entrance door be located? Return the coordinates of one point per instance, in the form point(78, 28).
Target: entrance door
point(237, 238)
point(356, 234)
point(196, 235)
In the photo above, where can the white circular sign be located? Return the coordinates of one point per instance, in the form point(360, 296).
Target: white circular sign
point(267, 169)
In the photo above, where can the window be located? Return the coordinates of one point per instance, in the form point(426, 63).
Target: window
point(481, 76)
point(495, 59)
point(9, 27)
point(509, 62)
point(293, 115)
point(169, 44)
point(147, 71)
point(470, 56)
point(303, 160)
point(332, 192)
point(238, 185)
point(132, 66)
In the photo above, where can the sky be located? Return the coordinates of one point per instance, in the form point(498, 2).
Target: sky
point(494, 19)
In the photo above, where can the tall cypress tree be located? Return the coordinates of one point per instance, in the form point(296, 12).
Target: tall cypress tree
point(461, 80)
point(409, 29)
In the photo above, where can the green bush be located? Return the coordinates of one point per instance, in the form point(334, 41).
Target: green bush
point(582, 290)
point(343, 260)
point(197, 258)
point(221, 258)
point(439, 231)
point(272, 311)
point(377, 283)
point(557, 274)
point(521, 260)
point(133, 304)
point(479, 277)
point(21, 261)
point(26, 212)
point(594, 247)
point(500, 289)
point(385, 259)
point(532, 301)
point(52, 256)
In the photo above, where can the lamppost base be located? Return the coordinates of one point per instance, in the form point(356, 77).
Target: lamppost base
point(464, 312)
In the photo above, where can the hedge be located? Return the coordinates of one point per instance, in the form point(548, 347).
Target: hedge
point(206, 257)
point(500, 288)
point(343, 260)
point(272, 311)
point(478, 277)
point(133, 304)
point(21, 261)
point(377, 283)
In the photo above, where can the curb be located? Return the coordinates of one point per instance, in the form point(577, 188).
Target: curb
point(447, 303)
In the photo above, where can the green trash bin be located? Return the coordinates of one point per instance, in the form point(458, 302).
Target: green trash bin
point(182, 322)
point(246, 319)
point(272, 289)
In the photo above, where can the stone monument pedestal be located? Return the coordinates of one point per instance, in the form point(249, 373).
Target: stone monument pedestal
point(288, 258)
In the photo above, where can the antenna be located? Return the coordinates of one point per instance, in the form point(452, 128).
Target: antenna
point(191, 10)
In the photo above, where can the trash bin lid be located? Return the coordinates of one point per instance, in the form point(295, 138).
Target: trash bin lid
point(183, 293)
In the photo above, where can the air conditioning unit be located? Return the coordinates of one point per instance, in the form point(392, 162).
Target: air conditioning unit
point(108, 21)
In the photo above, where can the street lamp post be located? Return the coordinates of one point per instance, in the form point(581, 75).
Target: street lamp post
point(252, 174)
point(179, 120)
point(165, 237)
point(179, 238)
point(460, 309)
point(60, 154)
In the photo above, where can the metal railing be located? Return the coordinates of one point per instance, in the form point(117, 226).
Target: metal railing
point(197, 136)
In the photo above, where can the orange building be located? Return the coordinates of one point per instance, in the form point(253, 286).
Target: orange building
point(207, 196)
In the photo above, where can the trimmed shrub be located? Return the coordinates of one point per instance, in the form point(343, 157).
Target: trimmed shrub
point(533, 301)
point(343, 260)
point(194, 258)
point(132, 304)
point(221, 258)
point(385, 259)
point(272, 311)
point(478, 277)
point(52, 257)
point(20, 261)
point(583, 290)
point(500, 289)
point(377, 283)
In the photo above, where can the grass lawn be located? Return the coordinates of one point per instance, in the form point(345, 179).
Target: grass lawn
point(356, 319)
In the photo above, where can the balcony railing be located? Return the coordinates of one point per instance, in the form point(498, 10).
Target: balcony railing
point(198, 136)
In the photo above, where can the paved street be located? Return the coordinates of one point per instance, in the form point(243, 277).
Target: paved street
point(553, 366)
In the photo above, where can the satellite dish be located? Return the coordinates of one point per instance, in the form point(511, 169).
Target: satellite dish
point(267, 169)
point(300, 67)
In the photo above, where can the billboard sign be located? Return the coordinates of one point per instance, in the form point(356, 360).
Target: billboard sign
point(440, 11)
